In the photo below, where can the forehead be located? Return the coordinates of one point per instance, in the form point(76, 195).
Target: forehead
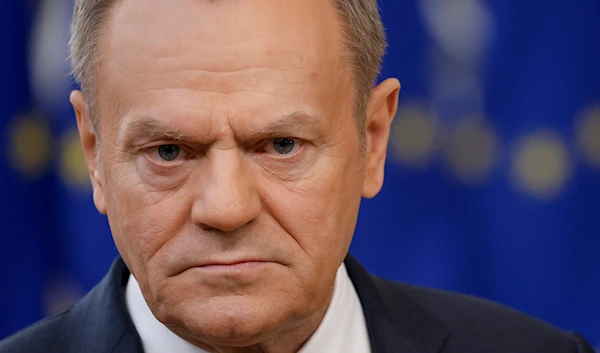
point(224, 21)
point(221, 46)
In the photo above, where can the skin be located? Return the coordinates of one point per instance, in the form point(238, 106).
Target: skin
point(234, 244)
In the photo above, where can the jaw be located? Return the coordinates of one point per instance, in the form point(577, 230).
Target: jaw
point(257, 316)
point(232, 333)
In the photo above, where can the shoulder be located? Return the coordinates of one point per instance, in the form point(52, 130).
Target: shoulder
point(98, 323)
point(478, 325)
point(40, 337)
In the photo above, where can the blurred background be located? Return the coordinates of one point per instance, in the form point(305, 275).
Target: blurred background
point(493, 178)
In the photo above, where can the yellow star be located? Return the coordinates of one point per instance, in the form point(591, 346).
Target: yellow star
point(30, 145)
point(73, 169)
point(413, 135)
point(541, 165)
point(588, 135)
point(471, 150)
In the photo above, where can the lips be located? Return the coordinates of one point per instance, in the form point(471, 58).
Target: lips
point(228, 265)
point(232, 263)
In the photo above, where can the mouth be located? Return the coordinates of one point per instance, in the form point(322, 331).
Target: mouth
point(232, 267)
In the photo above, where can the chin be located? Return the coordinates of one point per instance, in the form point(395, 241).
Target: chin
point(231, 310)
point(235, 321)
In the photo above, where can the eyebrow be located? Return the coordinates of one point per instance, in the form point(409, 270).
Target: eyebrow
point(287, 124)
point(152, 128)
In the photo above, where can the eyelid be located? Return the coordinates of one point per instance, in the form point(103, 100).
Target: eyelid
point(152, 153)
point(299, 144)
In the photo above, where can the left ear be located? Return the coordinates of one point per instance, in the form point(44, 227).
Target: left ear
point(380, 114)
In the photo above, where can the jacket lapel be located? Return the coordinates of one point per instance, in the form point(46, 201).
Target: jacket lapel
point(395, 324)
point(100, 322)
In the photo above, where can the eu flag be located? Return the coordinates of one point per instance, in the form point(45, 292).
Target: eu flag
point(83, 248)
point(25, 213)
point(55, 245)
point(492, 184)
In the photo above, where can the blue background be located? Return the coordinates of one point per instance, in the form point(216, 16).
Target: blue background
point(494, 190)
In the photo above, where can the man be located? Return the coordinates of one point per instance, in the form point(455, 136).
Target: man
point(230, 143)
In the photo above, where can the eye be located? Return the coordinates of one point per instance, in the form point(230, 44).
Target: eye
point(283, 145)
point(169, 152)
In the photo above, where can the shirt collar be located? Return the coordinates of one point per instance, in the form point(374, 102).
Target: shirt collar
point(343, 328)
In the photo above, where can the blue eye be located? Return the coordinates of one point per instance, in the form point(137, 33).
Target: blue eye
point(283, 145)
point(168, 152)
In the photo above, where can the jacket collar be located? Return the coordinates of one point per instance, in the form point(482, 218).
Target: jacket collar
point(394, 323)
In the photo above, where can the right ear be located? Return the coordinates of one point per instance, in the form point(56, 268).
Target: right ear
point(88, 136)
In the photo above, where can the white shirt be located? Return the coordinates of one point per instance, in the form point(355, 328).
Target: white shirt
point(343, 329)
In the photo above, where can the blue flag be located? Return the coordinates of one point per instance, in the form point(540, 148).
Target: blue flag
point(83, 248)
point(494, 160)
point(25, 212)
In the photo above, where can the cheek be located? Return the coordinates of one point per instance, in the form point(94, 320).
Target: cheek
point(319, 212)
point(143, 221)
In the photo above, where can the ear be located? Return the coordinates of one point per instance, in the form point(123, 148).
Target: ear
point(88, 136)
point(380, 114)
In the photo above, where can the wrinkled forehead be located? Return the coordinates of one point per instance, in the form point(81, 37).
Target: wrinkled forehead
point(223, 36)
point(274, 47)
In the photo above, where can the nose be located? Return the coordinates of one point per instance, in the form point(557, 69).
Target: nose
point(229, 199)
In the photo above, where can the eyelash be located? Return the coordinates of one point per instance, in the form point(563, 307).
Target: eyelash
point(158, 165)
point(183, 153)
point(299, 144)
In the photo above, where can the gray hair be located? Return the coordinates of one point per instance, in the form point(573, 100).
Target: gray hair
point(363, 29)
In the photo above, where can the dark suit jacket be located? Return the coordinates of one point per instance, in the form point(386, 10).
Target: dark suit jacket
point(400, 319)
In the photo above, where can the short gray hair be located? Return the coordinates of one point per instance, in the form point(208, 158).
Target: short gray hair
point(363, 29)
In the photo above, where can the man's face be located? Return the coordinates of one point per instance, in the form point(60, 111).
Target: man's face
point(230, 163)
